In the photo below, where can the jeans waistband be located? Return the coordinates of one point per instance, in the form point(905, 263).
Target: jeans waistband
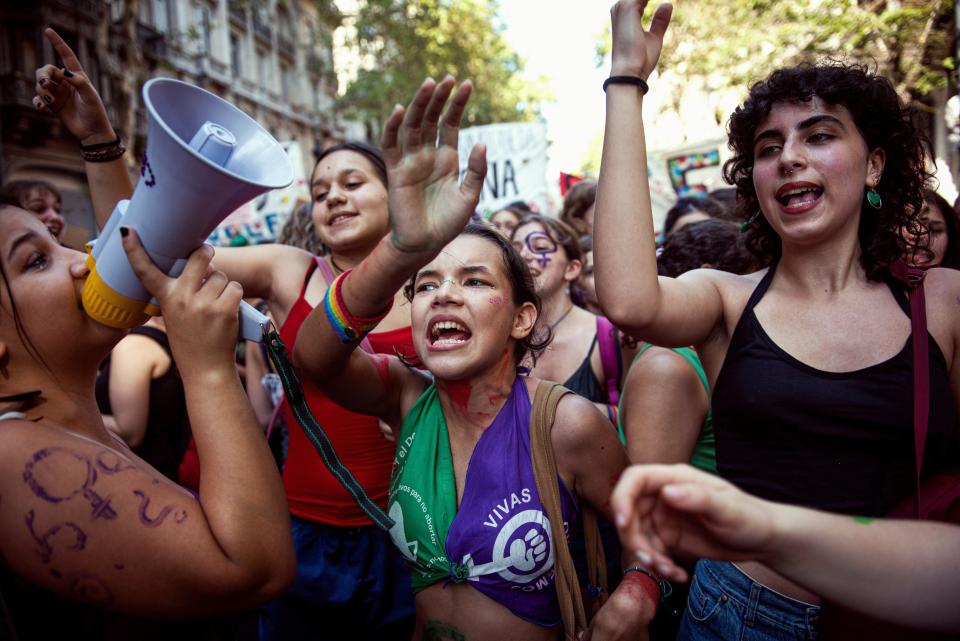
point(755, 596)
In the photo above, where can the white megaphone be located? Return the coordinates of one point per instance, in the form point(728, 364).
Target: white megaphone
point(204, 159)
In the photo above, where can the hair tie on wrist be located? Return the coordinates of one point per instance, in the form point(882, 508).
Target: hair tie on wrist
point(636, 81)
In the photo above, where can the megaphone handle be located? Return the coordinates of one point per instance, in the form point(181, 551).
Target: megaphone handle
point(253, 324)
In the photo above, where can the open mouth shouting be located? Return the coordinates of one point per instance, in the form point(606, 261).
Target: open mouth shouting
point(798, 197)
point(447, 333)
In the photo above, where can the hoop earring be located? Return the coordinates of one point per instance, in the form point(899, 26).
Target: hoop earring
point(874, 198)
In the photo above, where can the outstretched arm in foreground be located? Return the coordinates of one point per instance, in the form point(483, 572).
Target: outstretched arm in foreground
point(905, 572)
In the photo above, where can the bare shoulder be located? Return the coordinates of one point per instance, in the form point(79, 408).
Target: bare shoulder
point(663, 364)
point(578, 425)
point(942, 288)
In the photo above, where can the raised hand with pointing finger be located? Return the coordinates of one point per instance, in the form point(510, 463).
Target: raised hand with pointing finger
point(68, 92)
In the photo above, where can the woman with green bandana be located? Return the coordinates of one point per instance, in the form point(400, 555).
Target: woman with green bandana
point(467, 513)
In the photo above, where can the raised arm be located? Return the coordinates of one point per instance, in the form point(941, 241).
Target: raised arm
point(69, 94)
point(428, 208)
point(662, 509)
point(659, 310)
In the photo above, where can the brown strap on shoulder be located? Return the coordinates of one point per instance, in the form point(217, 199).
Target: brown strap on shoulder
point(542, 413)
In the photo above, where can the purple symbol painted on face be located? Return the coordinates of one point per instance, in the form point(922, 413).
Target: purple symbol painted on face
point(179, 516)
point(44, 541)
point(541, 245)
point(56, 474)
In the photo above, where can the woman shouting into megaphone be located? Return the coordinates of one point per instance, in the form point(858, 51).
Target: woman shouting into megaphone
point(88, 526)
point(335, 540)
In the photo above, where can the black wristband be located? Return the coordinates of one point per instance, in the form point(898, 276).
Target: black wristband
point(637, 81)
point(102, 145)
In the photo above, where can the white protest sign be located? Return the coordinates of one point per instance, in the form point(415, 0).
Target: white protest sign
point(516, 163)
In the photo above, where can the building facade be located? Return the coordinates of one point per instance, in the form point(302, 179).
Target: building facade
point(271, 58)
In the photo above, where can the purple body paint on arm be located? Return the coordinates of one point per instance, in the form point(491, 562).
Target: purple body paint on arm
point(178, 516)
point(43, 541)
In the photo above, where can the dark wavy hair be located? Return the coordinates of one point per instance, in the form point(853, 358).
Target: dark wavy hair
point(371, 153)
point(716, 243)
point(521, 285)
point(689, 205)
point(561, 233)
point(951, 257)
point(578, 201)
point(882, 120)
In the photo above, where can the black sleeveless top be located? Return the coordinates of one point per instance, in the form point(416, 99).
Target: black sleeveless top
point(840, 442)
point(584, 382)
point(168, 428)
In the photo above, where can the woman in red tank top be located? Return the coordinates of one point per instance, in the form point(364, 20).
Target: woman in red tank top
point(336, 542)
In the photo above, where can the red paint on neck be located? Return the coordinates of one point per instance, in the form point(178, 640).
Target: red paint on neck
point(459, 392)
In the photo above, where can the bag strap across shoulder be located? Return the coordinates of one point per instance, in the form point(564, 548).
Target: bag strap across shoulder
point(913, 277)
point(542, 414)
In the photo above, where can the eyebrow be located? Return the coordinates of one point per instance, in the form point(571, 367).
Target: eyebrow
point(466, 269)
point(28, 236)
point(341, 174)
point(805, 124)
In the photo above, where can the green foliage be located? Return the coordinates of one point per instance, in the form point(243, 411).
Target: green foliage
point(406, 41)
point(736, 42)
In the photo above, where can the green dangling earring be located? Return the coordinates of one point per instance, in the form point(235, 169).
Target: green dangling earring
point(745, 225)
point(874, 198)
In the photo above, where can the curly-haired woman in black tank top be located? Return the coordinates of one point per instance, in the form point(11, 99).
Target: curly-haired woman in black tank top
point(809, 358)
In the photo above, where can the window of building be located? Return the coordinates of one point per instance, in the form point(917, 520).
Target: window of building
point(200, 29)
point(286, 83)
point(235, 55)
point(263, 67)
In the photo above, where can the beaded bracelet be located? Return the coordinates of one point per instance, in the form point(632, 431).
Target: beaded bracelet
point(103, 152)
point(348, 328)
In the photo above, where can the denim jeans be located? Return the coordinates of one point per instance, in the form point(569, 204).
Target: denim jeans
point(725, 603)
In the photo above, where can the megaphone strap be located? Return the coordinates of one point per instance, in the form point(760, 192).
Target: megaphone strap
point(294, 391)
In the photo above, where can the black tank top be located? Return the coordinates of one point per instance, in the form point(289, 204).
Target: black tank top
point(168, 428)
point(584, 382)
point(841, 442)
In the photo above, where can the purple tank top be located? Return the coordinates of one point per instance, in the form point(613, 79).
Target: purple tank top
point(500, 539)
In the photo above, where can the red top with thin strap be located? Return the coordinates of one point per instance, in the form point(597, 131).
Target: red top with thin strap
point(312, 492)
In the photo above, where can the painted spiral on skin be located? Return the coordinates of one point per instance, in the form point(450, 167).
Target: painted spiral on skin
point(43, 541)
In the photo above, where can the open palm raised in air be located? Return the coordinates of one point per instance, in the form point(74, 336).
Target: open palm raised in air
point(428, 205)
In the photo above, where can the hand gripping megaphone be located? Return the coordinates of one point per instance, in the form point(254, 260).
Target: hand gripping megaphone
point(204, 159)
